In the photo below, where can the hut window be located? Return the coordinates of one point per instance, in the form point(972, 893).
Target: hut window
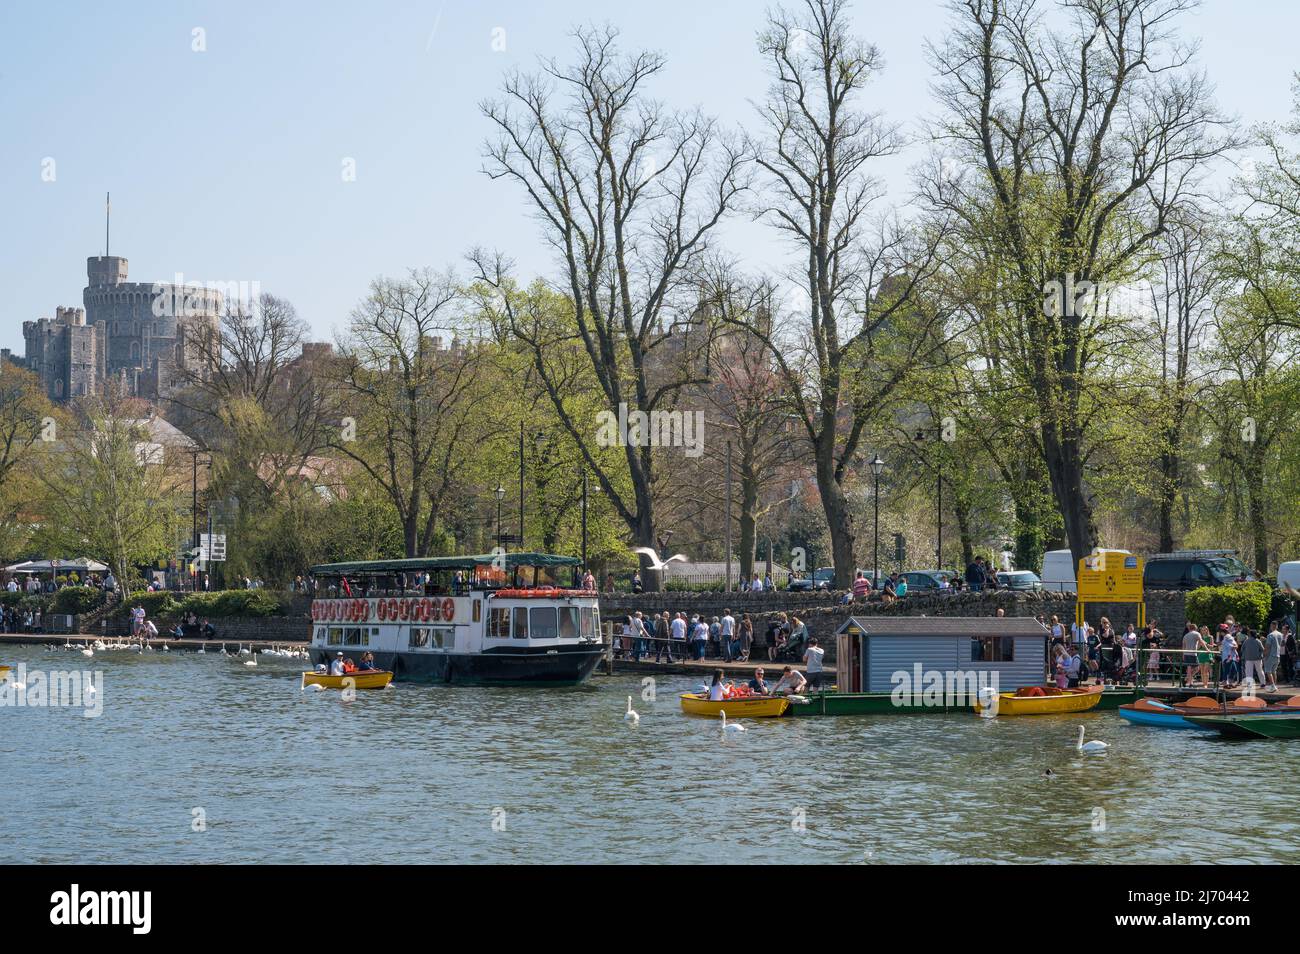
point(499, 623)
point(993, 649)
point(542, 622)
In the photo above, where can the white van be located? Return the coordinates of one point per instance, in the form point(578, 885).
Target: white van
point(1058, 569)
point(1288, 575)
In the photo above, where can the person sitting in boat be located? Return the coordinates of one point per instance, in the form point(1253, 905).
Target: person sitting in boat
point(758, 684)
point(716, 689)
point(791, 681)
point(367, 662)
point(349, 666)
point(336, 667)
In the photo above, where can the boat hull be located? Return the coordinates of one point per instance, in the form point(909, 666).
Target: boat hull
point(1269, 726)
point(760, 707)
point(1156, 714)
point(864, 703)
point(1076, 700)
point(562, 666)
point(362, 679)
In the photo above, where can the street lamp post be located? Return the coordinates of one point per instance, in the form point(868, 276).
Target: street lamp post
point(877, 465)
point(501, 495)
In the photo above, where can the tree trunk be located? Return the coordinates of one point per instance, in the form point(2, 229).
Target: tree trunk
point(1065, 471)
point(748, 523)
point(838, 520)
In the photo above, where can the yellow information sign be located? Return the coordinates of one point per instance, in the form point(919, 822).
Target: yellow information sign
point(1110, 578)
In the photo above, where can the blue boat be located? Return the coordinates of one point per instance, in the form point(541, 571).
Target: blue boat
point(1151, 712)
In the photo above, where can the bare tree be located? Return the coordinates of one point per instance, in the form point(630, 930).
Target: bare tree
point(867, 326)
point(628, 195)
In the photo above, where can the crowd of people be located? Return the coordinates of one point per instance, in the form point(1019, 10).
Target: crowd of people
point(671, 636)
point(1082, 652)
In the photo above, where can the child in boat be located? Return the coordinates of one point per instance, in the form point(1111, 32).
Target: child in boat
point(716, 690)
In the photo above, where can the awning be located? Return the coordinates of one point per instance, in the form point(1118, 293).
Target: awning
point(419, 564)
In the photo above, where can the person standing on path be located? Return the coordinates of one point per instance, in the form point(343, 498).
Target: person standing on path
point(1273, 647)
point(1252, 655)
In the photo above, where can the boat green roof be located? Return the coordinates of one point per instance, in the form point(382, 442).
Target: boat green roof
point(416, 564)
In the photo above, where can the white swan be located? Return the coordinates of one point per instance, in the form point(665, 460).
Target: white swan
point(87, 652)
point(251, 662)
point(729, 728)
point(1092, 746)
point(653, 556)
point(631, 717)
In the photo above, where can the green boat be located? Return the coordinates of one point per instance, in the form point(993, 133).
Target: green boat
point(1268, 726)
point(831, 703)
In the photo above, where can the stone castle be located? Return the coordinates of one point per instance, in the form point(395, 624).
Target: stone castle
point(131, 336)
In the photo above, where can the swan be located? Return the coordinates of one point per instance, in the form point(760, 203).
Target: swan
point(87, 652)
point(653, 556)
point(631, 717)
point(1092, 746)
point(729, 728)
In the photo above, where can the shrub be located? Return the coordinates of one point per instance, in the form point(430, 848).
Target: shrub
point(1247, 603)
point(234, 603)
point(77, 599)
point(155, 604)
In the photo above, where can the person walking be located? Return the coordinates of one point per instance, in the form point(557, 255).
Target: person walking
point(1273, 648)
point(746, 637)
point(1252, 659)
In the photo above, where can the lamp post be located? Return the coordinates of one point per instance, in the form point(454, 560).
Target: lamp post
point(877, 465)
point(584, 520)
point(501, 495)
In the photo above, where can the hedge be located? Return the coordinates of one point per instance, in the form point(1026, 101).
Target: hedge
point(77, 599)
point(1247, 603)
point(222, 603)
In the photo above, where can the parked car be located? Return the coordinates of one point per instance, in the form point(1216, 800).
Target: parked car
point(1019, 580)
point(927, 581)
point(1186, 573)
point(823, 578)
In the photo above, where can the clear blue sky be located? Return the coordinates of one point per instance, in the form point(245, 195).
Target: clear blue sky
point(225, 165)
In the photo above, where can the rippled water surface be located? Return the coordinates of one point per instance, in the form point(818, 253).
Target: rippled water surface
point(420, 773)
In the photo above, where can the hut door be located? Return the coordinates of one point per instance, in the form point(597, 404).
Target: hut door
point(848, 662)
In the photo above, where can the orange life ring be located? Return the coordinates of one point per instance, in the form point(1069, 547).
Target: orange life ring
point(448, 609)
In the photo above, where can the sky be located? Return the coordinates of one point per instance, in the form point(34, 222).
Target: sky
point(226, 163)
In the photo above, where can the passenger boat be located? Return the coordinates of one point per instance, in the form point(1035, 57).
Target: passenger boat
point(1258, 725)
point(487, 619)
point(1053, 701)
point(361, 679)
point(753, 707)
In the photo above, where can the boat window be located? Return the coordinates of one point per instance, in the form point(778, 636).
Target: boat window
point(568, 622)
point(521, 622)
point(419, 637)
point(336, 636)
point(499, 623)
point(352, 636)
point(589, 627)
point(993, 649)
point(542, 622)
point(320, 634)
point(444, 637)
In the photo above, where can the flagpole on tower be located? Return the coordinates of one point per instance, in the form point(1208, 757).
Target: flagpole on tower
point(108, 211)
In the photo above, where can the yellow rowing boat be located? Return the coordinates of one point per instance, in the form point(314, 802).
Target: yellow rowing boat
point(361, 679)
point(1055, 701)
point(758, 707)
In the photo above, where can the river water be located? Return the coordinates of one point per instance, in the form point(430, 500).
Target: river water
point(268, 773)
